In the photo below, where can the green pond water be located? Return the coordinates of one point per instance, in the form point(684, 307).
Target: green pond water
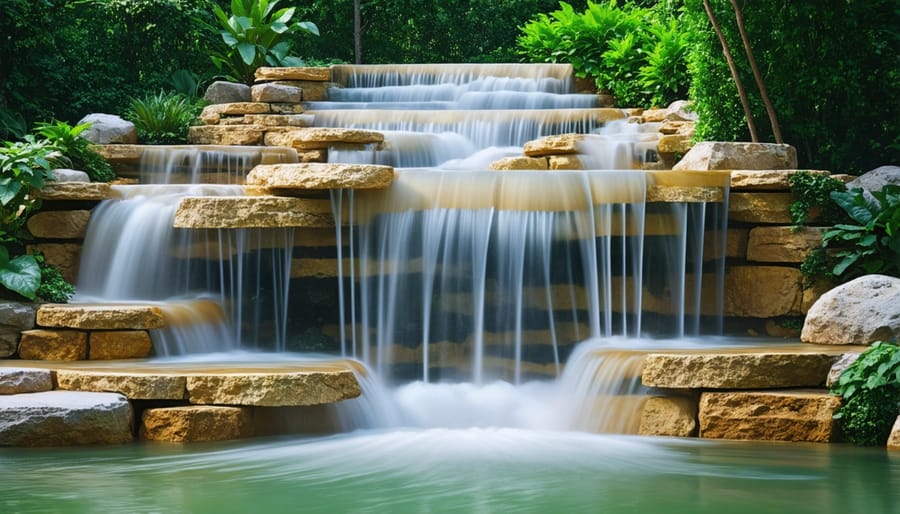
point(477, 470)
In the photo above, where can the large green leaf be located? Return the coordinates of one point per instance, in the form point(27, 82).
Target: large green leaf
point(247, 51)
point(21, 275)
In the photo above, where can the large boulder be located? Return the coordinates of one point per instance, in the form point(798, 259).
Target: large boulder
point(63, 418)
point(222, 92)
point(876, 179)
point(108, 129)
point(861, 311)
point(715, 155)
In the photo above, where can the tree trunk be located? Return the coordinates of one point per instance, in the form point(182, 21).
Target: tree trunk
point(745, 103)
point(357, 32)
point(770, 109)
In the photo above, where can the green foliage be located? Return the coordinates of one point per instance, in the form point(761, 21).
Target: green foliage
point(636, 53)
point(54, 288)
point(870, 392)
point(163, 118)
point(24, 167)
point(20, 274)
point(67, 139)
point(835, 97)
point(255, 34)
point(871, 245)
point(812, 194)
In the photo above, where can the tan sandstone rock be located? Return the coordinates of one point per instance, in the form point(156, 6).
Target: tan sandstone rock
point(553, 145)
point(669, 416)
point(320, 176)
point(135, 386)
point(75, 191)
point(55, 345)
point(293, 73)
point(119, 344)
point(893, 442)
point(196, 423)
point(862, 311)
point(715, 155)
point(764, 370)
point(765, 180)
point(769, 415)
point(59, 224)
point(519, 163)
point(273, 389)
point(276, 93)
point(212, 114)
point(100, 316)
point(564, 162)
point(762, 291)
point(782, 244)
point(253, 212)
point(279, 120)
point(322, 137)
point(674, 143)
point(773, 208)
point(234, 135)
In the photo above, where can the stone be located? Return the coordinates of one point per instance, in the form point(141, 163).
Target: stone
point(273, 389)
point(75, 191)
point(280, 120)
point(674, 143)
point(238, 135)
point(253, 212)
point(876, 179)
point(762, 291)
point(320, 176)
point(782, 244)
point(212, 114)
point(843, 362)
point(65, 256)
point(519, 163)
point(653, 115)
point(135, 386)
point(765, 180)
point(119, 344)
point(862, 311)
point(321, 137)
point(286, 108)
point(54, 345)
point(682, 128)
point(59, 224)
point(680, 194)
point(64, 418)
point(553, 145)
point(277, 93)
point(680, 110)
point(714, 155)
point(223, 92)
point(771, 208)
point(769, 416)
point(293, 73)
point(564, 162)
point(69, 175)
point(110, 316)
point(108, 129)
point(14, 318)
point(25, 380)
point(196, 423)
point(893, 442)
point(669, 416)
point(756, 370)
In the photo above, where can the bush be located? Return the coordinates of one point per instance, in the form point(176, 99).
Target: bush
point(638, 54)
point(54, 288)
point(77, 150)
point(812, 194)
point(870, 392)
point(834, 96)
point(163, 118)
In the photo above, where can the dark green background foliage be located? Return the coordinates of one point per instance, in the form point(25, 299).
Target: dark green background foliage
point(832, 71)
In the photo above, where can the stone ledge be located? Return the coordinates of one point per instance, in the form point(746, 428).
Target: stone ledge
point(312, 74)
point(772, 208)
point(59, 224)
point(25, 380)
point(93, 191)
point(320, 176)
point(321, 137)
point(253, 212)
point(757, 370)
point(64, 418)
point(765, 180)
point(782, 244)
point(300, 388)
point(134, 386)
point(769, 416)
point(101, 316)
point(56, 345)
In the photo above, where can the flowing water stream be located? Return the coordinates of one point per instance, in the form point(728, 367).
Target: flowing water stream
point(501, 317)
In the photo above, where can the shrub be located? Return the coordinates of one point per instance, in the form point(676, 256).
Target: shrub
point(163, 118)
point(638, 54)
point(812, 193)
point(256, 35)
point(872, 243)
point(77, 150)
point(54, 288)
point(870, 392)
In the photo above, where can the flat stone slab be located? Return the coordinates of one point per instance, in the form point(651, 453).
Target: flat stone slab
point(25, 380)
point(62, 345)
point(101, 316)
point(738, 370)
point(769, 415)
point(320, 176)
point(196, 423)
point(273, 389)
point(322, 137)
point(64, 418)
point(782, 244)
point(766, 180)
point(134, 386)
point(760, 207)
point(95, 191)
point(59, 224)
point(253, 212)
point(311, 74)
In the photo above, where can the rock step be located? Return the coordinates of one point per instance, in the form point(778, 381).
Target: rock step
point(740, 369)
point(64, 418)
point(287, 178)
point(253, 212)
point(110, 316)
